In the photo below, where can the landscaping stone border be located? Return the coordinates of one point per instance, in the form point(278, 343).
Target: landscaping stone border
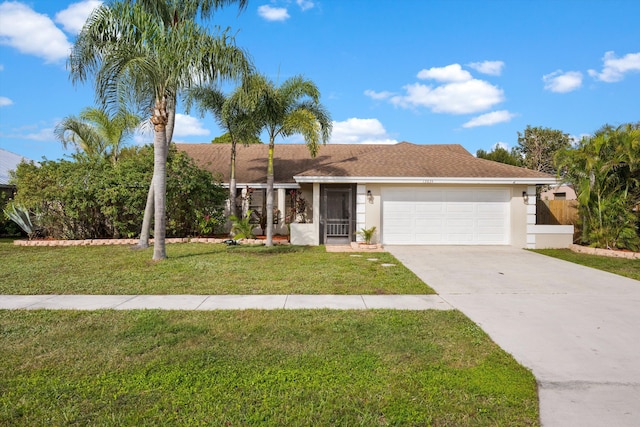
point(604, 252)
point(133, 242)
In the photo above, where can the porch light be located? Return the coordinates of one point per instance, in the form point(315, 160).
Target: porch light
point(525, 197)
point(369, 196)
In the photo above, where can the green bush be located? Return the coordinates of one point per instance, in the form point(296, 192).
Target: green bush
point(85, 198)
point(8, 228)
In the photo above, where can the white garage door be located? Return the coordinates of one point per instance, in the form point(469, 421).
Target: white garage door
point(445, 216)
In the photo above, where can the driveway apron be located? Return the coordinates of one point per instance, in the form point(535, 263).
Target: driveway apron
point(576, 328)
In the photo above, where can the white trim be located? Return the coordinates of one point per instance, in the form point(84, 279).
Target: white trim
point(421, 180)
point(361, 207)
point(286, 186)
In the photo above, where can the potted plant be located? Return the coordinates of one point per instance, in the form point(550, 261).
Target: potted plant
point(367, 236)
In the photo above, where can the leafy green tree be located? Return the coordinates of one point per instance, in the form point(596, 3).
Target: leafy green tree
point(238, 120)
point(292, 108)
point(136, 48)
point(225, 138)
point(501, 155)
point(96, 133)
point(605, 171)
point(538, 146)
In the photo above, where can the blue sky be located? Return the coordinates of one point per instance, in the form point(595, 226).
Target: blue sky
point(429, 72)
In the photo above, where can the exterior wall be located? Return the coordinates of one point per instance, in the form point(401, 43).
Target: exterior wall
point(519, 216)
point(373, 210)
point(305, 234)
point(551, 236)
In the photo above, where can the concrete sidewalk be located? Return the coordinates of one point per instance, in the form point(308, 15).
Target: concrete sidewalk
point(222, 302)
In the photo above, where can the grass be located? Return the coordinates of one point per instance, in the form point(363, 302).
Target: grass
point(621, 266)
point(200, 269)
point(262, 368)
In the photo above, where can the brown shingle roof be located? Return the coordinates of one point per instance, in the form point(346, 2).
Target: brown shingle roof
point(352, 160)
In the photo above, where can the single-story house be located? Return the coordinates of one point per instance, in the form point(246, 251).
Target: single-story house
point(8, 162)
point(413, 194)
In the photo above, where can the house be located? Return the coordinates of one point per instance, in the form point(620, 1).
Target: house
point(413, 194)
point(8, 162)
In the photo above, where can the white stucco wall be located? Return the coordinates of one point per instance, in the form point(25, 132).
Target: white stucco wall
point(519, 217)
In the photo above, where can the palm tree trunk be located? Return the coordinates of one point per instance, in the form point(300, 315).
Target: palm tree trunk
point(143, 243)
point(232, 181)
point(269, 240)
point(160, 149)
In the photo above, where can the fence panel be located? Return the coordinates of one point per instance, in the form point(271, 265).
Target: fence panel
point(557, 212)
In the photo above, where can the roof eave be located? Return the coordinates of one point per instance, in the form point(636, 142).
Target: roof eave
point(424, 180)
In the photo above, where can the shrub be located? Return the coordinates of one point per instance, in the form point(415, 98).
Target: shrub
point(85, 198)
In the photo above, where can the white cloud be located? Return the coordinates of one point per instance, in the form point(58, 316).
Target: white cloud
point(305, 4)
point(360, 131)
point(188, 126)
point(44, 134)
point(4, 101)
point(273, 13)
point(378, 95)
point(500, 144)
point(493, 68)
point(467, 97)
point(489, 119)
point(456, 92)
point(615, 68)
point(450, 73)
point(561, 82)
point(73, 17)
point(31, 32)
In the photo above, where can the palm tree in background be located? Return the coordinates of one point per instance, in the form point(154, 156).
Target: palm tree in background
point(238, 120)
point(134, 53)
point(96, 133)
point(292, 108)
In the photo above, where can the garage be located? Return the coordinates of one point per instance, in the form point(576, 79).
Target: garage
point(445, 216)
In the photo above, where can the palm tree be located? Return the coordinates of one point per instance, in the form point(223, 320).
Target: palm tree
point(604, 169)
point(172, 13)
point(292, 108)
point(96, 133)
point(239, 122)
point(131, 51)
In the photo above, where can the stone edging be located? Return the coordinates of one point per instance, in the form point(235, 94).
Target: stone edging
point(133, 242)
point(604, 252)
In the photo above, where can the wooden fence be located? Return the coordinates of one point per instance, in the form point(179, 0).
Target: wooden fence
point(557, 212)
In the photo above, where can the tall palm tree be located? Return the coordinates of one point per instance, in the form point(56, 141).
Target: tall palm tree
point(292, 108)
point(130, 50)
point(234, 117)
point(96, 133)
point(173, 13)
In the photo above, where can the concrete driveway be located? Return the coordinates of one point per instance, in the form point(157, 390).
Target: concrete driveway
point(576, 328)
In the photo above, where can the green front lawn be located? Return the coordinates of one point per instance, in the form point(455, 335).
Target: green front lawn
point(200, 269)
point(624, 267)
point(262, 368)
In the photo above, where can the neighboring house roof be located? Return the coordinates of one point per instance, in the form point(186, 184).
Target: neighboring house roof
point(8, 161)
point(403, 162)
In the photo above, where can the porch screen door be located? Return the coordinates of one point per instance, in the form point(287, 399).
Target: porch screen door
point(338, 214)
